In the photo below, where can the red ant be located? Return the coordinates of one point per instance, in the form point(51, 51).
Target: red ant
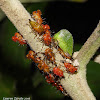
point(41, 64)
point(51, 79)
point(32, 55)
point(59, 87)
point(37, 16)
point(46, 27)
point(18, 38)
point(47, 37)
point(70, 68)
point(36, 26)
point(50, 55)
point(57, 71)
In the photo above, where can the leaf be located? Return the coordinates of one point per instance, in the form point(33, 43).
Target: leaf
point(65, 40)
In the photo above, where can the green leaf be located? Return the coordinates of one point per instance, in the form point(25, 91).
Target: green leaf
point(65, 41)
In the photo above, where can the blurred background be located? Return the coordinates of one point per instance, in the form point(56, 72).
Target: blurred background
point(19, 77)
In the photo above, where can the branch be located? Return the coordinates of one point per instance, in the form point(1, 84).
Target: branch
point(90, 47)
point(76, 84)
point(97, 59)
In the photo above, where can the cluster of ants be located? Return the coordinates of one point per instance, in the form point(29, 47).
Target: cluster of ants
point(44, 30)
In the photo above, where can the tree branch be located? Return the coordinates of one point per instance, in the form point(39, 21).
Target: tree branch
point(90, 47)
point(97, 59)
point(76, 84)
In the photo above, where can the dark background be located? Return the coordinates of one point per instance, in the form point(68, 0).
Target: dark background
point(21, 78)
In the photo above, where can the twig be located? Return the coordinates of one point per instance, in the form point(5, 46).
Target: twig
point(90, 47)
point(97, 59)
